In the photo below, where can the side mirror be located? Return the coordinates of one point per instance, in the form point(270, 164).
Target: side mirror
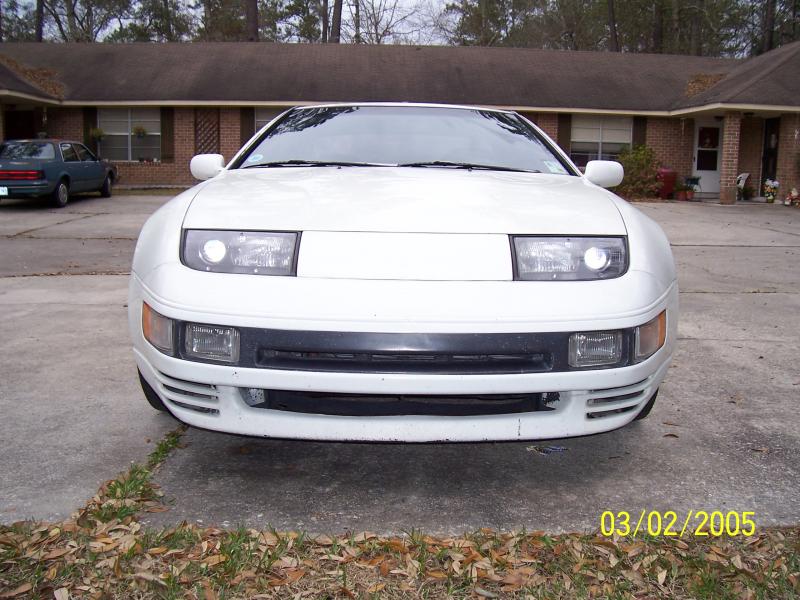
point(605, 173)
point(206, 166)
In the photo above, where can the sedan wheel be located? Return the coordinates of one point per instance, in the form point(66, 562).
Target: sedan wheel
point(106, 190)
point(61, 194)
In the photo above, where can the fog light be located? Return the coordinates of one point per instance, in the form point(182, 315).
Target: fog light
point(212, 342)
point(158, 330)
point(596, 349)
point(650, 337)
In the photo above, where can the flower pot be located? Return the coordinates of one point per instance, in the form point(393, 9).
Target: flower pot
point(681, 195)
point(690, 194)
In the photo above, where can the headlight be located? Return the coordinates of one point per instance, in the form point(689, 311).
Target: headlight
point(569, 258)
point(212, 342)
point(595, 349)
point(253, 252)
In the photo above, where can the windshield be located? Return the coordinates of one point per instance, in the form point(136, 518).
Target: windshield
point(16, 150)
point(404, 135)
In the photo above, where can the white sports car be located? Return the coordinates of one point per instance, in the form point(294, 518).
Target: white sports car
point(402, 272)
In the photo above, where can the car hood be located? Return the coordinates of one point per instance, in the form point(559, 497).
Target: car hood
point(410, 200)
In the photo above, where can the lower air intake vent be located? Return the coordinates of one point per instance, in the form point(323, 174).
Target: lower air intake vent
point(199, 397)
point(395, 405)
point(616, 401)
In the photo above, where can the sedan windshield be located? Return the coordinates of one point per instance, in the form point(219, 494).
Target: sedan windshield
point(408, 136)
point(19, 150)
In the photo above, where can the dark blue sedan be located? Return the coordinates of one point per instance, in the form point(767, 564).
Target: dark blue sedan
point(52, 168)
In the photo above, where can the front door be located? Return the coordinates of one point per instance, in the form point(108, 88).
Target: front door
point(769, 160)
point(708, 155)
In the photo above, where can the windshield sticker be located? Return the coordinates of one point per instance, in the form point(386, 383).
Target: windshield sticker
point(255, 157)
point(555, 167)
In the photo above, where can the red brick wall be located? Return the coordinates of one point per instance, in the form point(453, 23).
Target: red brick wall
point(751, 148)
point(65, 123)
point(229, 132)
point(788, 172)
point(731, 139)
point(548, 122)
point(673, 143)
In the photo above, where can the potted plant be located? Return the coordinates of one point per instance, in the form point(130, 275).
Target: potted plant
point(771, 189)
point(793, 198)
point(139, 131)
point(681, 190)
point(96, 134)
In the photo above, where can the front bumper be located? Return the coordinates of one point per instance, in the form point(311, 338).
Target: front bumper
point(210, 396)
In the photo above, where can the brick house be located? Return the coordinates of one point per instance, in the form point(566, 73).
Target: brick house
point(159, 104)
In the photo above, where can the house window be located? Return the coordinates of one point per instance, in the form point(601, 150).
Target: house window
point(599, 138)
point(265, 115)
point(130, 133)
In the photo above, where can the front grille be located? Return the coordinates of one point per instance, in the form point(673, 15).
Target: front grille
point(375, 405)
point(404, 362)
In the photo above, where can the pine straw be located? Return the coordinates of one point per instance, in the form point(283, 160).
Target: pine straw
point(104, 552)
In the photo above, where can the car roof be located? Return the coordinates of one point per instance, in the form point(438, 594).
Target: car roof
point(45, 140)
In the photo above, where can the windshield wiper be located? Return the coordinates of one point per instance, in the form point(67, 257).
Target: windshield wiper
point(295, 162)
point(464, 165)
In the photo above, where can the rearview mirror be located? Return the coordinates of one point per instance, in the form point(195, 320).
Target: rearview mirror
point(605, 173)
point(206, 166)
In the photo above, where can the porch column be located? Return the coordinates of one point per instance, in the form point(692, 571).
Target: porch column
point(788, 171)
point(731, 132)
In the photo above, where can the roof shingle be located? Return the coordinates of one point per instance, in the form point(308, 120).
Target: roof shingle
point(241, 72)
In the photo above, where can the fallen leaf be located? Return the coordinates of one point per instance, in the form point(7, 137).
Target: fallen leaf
point(671, 435)
point(214, 560)
point(61, 594)
point(25, 587)
point(58, 552)
point(662, 576)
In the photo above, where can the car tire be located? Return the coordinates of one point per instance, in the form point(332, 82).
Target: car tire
point(151, 396)
point(106, 190)
point(647, 407)
point(60, 195)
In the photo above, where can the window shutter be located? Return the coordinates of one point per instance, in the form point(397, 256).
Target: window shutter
point(564, 131)
point(639, 131)
point(89, 123)
point(167, 134)
point(247, 118)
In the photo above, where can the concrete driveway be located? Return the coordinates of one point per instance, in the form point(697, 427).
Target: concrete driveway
point(723, 435)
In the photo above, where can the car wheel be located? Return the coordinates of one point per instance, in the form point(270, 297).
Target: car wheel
point(106, 190)
point(60, 195)
point(647, 407)
point(149, 393)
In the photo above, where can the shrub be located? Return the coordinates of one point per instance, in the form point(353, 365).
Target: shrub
point(641, 168)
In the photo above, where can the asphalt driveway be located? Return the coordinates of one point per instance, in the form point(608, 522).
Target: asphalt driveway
point(723, 434)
